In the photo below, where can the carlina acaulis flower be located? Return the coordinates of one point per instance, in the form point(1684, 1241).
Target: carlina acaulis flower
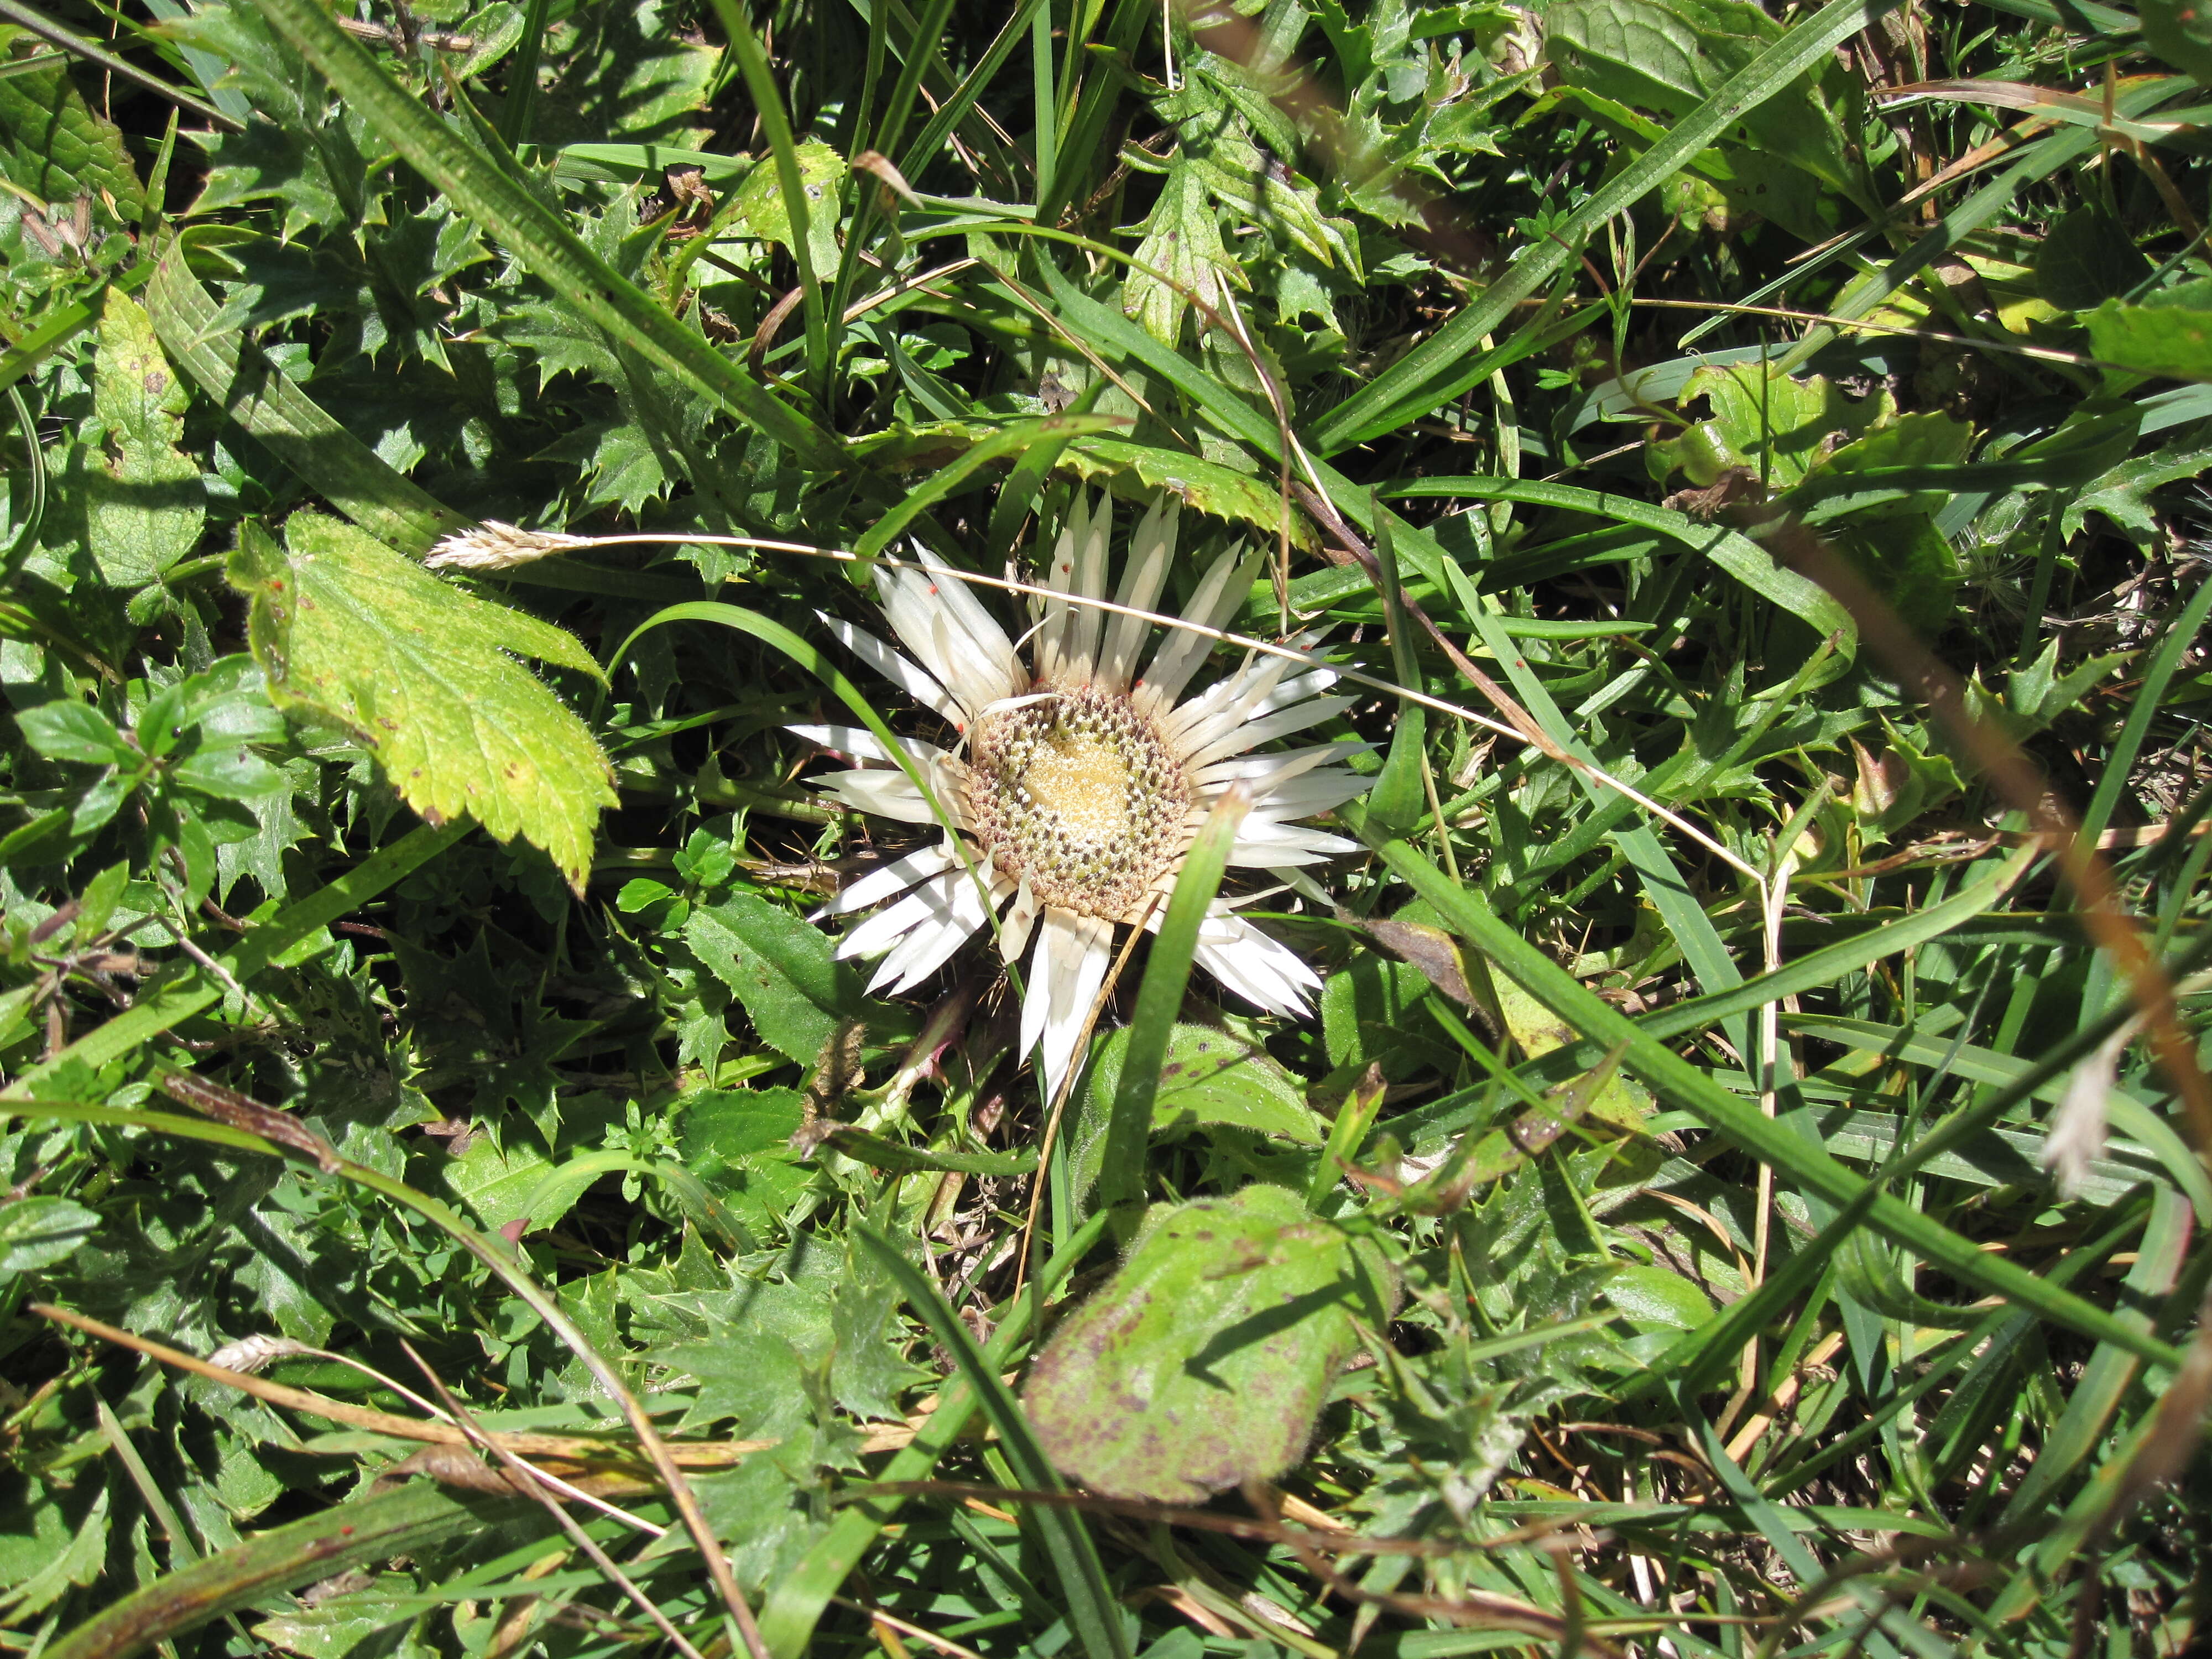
point(1077, 784)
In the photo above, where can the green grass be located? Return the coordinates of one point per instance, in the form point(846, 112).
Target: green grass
point(1749, 466)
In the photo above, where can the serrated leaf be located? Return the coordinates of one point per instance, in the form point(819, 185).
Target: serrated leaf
point(1182, 242)
point(420, 672)
point(1205, 1359)
point(2122, 494)
point(55, 145)
point(144, 507)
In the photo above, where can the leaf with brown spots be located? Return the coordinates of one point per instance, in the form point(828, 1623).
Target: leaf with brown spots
point(1206, 1360)
point(425, 676)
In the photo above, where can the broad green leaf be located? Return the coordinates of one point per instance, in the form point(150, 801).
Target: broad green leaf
point(1669, 56)
point(2087, 259)
point(1658, 1298)
point(143, 504)
point(39, 1232)
point(336, 1625)
point(780, 968)
point(1205, 1359)
point(68, 730)
point(739, 1142)
point(420, 672)
point(496, 1181)
point(1209, 1079)
point(2170, 333)
point(1769, 424)
point(55, 145)
point(760, 203)
point(2178, 32)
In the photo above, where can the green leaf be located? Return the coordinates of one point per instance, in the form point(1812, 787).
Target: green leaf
point(1669, 56)
point(739, 1142)
point(331, 460)
point(537, 235)
point(419, 672)
point(2124, 495)
point(1206, 1358)
point(1182, 243)
point(2085, 259)
point(144, 506)
point(68, 730)
point(2178, 32)
point(497, 1182)
point(1208, 1078)
point(39, 1232)
point(760, 202)
point(1769, 424)
point(55, 145)
point(1658, 1298)
point(77, 1564)
point(780, 968)
point(2170, 333)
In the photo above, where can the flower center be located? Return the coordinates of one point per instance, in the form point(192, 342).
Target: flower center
point(1078, 794)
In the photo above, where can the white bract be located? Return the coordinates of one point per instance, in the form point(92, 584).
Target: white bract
point(1079, 784)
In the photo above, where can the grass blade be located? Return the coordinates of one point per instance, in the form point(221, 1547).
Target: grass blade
point(796, 1602)
point(1438, 369)
point(1677, 1081)
point(775, 123)
point(1092, 1612)
point(539, 237)
point(1159, 999)
point(375, 1529)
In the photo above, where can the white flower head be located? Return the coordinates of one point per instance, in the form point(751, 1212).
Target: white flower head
point(1079, 784)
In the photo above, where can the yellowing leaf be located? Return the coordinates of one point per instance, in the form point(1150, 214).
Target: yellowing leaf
point(420, 672)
